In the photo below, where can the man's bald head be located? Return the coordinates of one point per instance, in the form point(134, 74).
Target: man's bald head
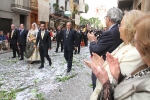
point(69, 25)
point(12, 26)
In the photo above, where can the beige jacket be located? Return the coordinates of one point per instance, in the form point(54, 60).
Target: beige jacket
point(129, 59)
point(133, 89)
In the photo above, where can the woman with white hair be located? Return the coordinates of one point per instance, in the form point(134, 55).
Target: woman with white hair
point(32, 54)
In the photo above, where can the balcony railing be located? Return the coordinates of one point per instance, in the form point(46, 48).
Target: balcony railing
point(76, 2)
point(20, 8)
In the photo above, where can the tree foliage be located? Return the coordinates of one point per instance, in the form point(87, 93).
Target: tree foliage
point(86, 8)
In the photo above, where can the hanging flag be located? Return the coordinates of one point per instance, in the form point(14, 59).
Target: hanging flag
point(43, 10)
point(77, 19)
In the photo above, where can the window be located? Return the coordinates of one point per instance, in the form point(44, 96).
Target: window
point(65, 5)
point(57, 1)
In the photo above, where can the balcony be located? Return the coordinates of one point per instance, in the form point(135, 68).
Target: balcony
point(125, 4)
point(76, 2)
point(20, 9)
point(34, 4)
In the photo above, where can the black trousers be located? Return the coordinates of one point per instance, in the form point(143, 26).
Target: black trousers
point(78, 49)
point(93, 80)
point(69, 57)
point(15, 49)
point(85, 40)
point(59, 43)
point(44, 53)
point(22, 50)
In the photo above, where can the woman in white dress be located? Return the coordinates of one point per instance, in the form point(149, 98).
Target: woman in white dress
point(31, 37)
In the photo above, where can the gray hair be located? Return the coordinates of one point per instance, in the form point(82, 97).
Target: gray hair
point(115, 15)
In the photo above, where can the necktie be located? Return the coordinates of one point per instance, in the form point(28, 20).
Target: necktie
point(42, 34)
point(21, 32)
point(12, 33)
point(67, 33)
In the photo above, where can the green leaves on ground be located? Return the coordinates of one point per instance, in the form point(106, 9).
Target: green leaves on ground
point(63, 79)
point(90, 85)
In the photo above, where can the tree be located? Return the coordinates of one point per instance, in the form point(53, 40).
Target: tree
point(86, 8)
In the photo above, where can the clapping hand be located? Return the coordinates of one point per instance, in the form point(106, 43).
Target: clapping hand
point(113, 65)
point(97, 59)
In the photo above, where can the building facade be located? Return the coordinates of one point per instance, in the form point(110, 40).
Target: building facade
point(14, 11)
point(142, 5)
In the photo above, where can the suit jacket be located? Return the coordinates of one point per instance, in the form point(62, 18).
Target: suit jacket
point(59, 35)
point(70, 41)
point(79, 37)
point(133, 89)
point(14, 38)
point(22, 38)
point(108, 42)
point(44, 43)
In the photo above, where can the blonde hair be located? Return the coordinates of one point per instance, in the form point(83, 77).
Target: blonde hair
point(142, 26)
point(129, 19)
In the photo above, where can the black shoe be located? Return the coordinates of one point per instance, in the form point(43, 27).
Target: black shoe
point(68, 70)
point(50, 63)
point(42, 66)
point(13, 57)
point(21, 59)
point(56, 51)
point(32, 62)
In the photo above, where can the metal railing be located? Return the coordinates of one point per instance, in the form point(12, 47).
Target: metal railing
point(20, 6)
point(76, 1)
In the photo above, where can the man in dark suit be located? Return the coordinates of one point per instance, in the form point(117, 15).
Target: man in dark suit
point(109, 40)
point(22, 38)
point(70, 43)
point(14, 40)
point(79, 38)
point(44, 41)
point(59, 38)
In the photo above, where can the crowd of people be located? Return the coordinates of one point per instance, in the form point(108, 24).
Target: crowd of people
point(120, 55)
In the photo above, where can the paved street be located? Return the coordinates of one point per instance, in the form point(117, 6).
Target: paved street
point(27, 82)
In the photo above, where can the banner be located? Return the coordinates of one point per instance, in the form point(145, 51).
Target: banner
point(77, 19)
point(43, 10)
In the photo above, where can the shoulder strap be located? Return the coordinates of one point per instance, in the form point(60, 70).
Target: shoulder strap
point(139, 69)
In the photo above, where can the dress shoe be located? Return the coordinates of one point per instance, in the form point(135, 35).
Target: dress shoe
point(41, 67)
point(50, 63)
point(68, 70)
point(21, 59)
point(56, 51)
point(13, 57)
point(32, 62)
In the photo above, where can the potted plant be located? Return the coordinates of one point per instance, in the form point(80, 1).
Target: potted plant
point(74, 12)
point(56, 7)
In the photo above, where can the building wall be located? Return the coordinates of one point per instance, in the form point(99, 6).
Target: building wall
point(145, 5)
point(136, 3)
point(6, 12)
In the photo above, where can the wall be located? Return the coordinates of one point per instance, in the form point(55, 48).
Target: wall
point(136, 3)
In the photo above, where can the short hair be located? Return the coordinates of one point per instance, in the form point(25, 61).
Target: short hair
point(13, 25)
point(129, 19)
point(69, 23)
point(115, 14)
point(143, 35)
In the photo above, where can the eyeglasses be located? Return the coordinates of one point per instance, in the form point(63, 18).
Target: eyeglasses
point(105, 17)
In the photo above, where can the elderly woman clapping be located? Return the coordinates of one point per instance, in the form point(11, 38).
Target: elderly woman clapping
point(136, 85)
point(128, 57)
